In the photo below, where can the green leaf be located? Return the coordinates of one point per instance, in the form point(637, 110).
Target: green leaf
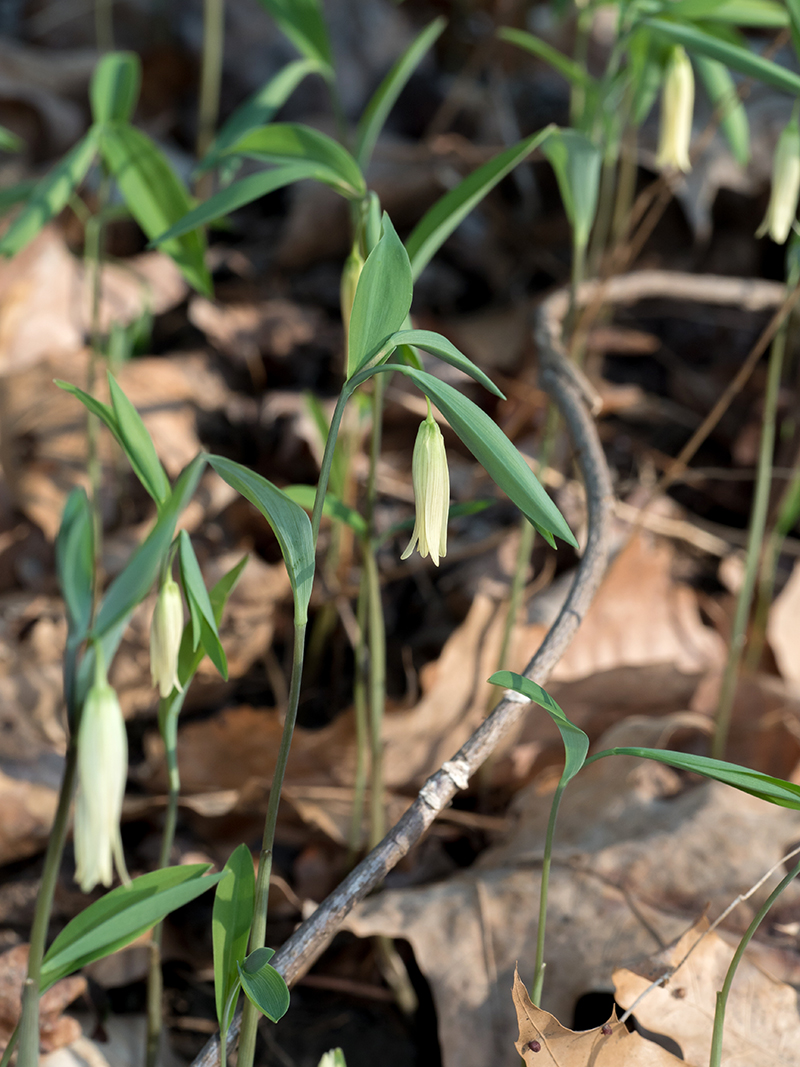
point(138, 445)
point(794, 15)
point(51, 194)
point(240, 193)
point(763, 13)
point(382, 300)
point(9, 141)
point(775, 790)
point(291, 526)
point(203, 620)
point(490, 446)
point(385, 96)
point(15, 194)
point(230, 928)
point(741, 59)
point(132, 585)
point(721, 90)
point(97, 407)
point(288, 142)
point(446, 351)
point(224, 587)
point(303, 24)
point(75, 560)
point(576, 743)
point(189, 658)
point(114, 91)
point(332, 507)
point(438, 222)
point(263, 985)
point(646, 72)
point(576, 162)
point(259, 109)
point(155, 197)
point(121, 916)
point(573, 72)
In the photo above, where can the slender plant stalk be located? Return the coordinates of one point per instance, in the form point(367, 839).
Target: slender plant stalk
point(360, 702)
point(755, 538)
point(377, 695)
point(93, 257)
point(28, 1055)
point(210, 77)
point(168, 712)
point(722, 996)
point(539, 967)
point(258, 931)
point(606, 199)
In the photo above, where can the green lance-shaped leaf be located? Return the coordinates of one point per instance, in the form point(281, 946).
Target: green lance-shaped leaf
point(240, 193)
point(385, 96)
point(121, 916)
point(794, 22)
point(289, 522)
point(766, 14)
point(15, 194)
point(289, 142)
point(260, 108)
point(155, 197)
point(382, 300)
point(202, 618)
point(721, 90)
point(332, 508)
point(230, 929)
point(75, 560)
point(490, 446)
point(746, 62)
point(189, 657)
point(131, 586)
point(304, 25)
point(114, 91)
point(438, 222)
point(447, 352)
point(138, 445)
point(576, 743)
point(646, 59)
point(576, 162)
point(573, 72)
point(764, 786)
point(9, 141)
point(263, 985)
point(51, 194)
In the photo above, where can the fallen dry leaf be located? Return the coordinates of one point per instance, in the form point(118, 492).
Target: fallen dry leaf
point(762, 1024)
point(544, 1041)
point(783, 627)
point(55, 1029)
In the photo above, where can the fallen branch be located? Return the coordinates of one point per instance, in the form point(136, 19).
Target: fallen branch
point(567, 389)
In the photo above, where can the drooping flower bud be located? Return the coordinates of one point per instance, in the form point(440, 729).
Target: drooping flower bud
point(677, 108)
point(431, 480)
point(782, 207)
point(102, 772)
point(165, 638)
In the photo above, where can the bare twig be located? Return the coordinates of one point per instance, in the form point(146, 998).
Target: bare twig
point(313, 936)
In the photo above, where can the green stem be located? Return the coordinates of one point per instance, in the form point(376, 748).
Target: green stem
point(327, 460)
point(362, 724)
point(169, 709)
point(28, 1055)
point(210, 73)
point(538, 974)
point(722, 996)
point(258, 931)
point(605, 211)
point(9, 1049)
point(377, 694)
point(755, 538)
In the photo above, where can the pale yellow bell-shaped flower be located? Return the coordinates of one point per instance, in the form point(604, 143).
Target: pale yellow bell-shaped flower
point(677, 108)
point(102, 772)
point(166, 631)
point(782, 207)
point(431, 480)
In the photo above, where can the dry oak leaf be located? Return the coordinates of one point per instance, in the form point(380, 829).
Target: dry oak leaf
point(762, 1024)
point(55, 1029)
point(544, 1041)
